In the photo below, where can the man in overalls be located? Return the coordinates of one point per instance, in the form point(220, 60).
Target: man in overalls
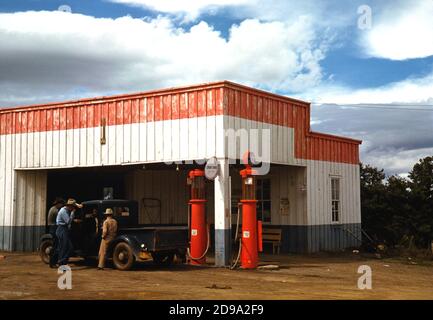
point(109, 231)
point(64, 221)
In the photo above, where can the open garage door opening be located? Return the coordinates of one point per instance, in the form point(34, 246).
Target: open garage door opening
point(85, 184)
point(160, 190)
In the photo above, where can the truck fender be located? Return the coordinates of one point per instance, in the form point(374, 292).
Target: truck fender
point(47, 236)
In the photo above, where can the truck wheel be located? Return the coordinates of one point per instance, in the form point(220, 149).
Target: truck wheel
point(45, 250)
point(163, 258)
point(123, 257)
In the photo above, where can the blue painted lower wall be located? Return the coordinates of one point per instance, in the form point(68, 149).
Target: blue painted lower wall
point(310, 239)
point(20, 238)
point(222, 244)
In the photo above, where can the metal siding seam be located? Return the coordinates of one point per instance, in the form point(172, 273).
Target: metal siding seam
point(143, 130)
point(2, 185)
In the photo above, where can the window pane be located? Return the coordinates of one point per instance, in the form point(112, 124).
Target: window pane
point(258, 192)
point(266, 215)
point(335, 189)
point(335, 211)
point(267, 189)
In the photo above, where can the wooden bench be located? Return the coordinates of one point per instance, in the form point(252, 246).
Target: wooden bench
point(273, 236)
point(270, 235)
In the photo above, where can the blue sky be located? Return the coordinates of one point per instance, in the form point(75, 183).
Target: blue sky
point(312, 50)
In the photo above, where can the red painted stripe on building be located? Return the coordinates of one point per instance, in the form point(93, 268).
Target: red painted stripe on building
point(181, 103)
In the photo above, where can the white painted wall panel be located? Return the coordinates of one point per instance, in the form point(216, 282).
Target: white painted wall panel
point(135, 142)
point(167, 140)
point(170, 140)
point(150, 142)
point(319, 192)
point(30, 209)
point(142, 145)
point(282, 139)
point(159, 140)
point(63, 145)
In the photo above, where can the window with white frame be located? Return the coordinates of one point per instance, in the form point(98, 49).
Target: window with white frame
point(335, 200)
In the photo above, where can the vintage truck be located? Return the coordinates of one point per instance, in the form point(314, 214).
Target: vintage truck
point(134, 242)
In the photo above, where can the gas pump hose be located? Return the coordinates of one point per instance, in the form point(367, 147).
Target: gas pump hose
point(233, 265)
point(208, 239)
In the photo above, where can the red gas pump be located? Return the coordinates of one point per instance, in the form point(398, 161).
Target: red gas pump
point(251, 229)
point(199, 238)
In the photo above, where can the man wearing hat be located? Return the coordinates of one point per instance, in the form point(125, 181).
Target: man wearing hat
point(52, 214)
point(109, 231)
point(51, 221)
point(64, 221)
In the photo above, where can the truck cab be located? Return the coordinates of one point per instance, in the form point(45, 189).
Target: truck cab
point(134, 242)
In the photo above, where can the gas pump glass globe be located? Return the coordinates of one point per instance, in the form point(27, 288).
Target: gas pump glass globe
point(248, 188)
point(198, 188)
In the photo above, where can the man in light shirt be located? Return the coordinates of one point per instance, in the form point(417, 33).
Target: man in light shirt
point(52, 224)
point(64, 221)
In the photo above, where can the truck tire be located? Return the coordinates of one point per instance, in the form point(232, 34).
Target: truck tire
point(164, 259)
point(45, 249)
point(123, 257)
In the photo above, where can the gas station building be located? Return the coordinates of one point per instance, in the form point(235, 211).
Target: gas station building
point(142, 146)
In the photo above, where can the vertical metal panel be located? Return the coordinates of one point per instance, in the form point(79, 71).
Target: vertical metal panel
point(4, 237)
point(169, 186)
point(29, 211)
point(319, 175)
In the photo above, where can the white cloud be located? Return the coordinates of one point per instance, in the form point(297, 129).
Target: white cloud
point(394, 137)
point(401, 32)
point(407, 91)
point(397, 161)
point(191, 8)
point(49, 54)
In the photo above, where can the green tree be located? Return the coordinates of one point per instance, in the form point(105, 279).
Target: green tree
point(421, 200)
point(397, 209)
point(374, 212)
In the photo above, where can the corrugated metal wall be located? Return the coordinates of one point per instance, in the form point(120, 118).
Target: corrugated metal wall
point(289, 121)
point(319, 175)
point(164, 127)
point(24, 221)
point(178, 124)
point(322, 234)
point(7, 191)
point(30, 209)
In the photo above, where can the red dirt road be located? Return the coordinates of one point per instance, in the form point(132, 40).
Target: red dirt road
point(24, 276)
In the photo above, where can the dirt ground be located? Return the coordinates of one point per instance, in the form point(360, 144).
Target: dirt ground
point(323, 276)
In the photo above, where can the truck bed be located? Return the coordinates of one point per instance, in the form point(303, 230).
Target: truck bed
point(159, 238)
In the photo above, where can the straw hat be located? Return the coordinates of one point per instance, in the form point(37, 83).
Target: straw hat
point(73, 203)
point(108, 212)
